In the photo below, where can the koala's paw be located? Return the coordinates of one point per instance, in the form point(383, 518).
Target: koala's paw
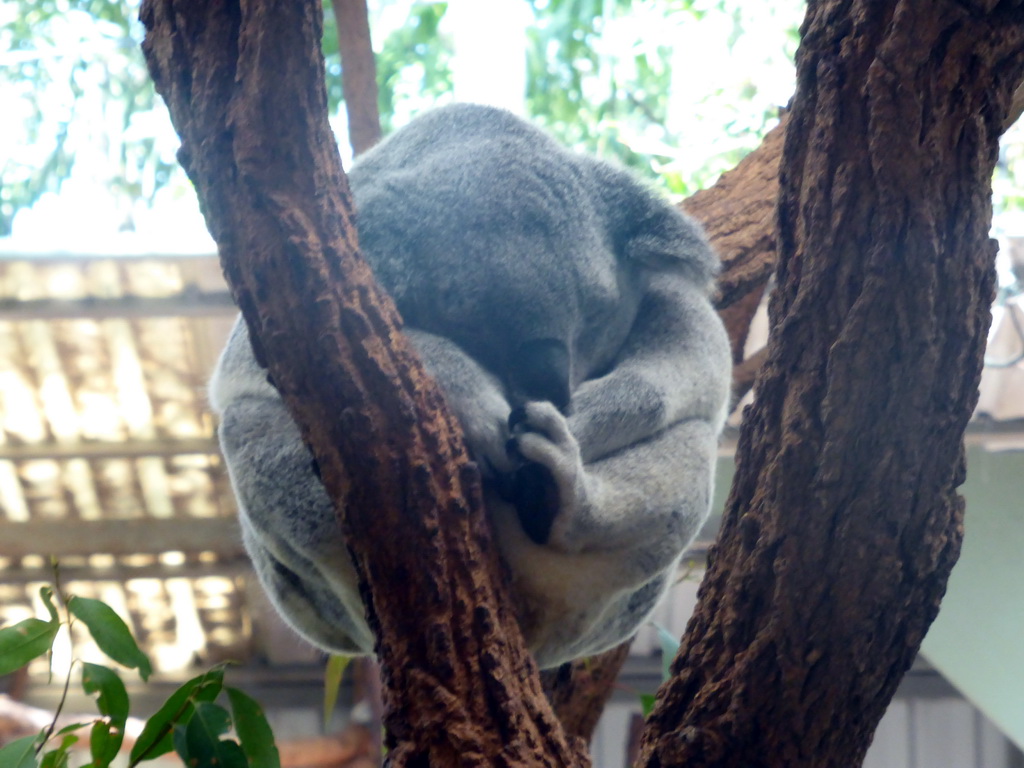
point(485, 423)
point(549, 484)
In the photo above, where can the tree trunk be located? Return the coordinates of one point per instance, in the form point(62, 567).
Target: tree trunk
point(844, 522)
point(244, 84)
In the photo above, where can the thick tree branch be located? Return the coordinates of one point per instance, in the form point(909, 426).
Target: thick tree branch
point(580, 690)
point(744, 375)
point(738, 214)
point(843, 522)
point(1016, 108)
point(244, 84)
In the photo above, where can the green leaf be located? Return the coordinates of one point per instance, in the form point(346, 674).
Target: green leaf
point(110, 633)
point(101, 744)
point(113, 698)
point(156, 739)
point(72, 727)
point(46, 593)
point(112, 702)
point(203, 747)
point(669, 648)
point(253, 730)
point(180, 740)
point(58, 758)
point(20, 753)
point(646, 703)
point(336, 666)
point(25, 641)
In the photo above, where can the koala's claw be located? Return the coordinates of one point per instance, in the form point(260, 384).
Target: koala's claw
point(534, 494)
point(548, 484)
point(512, 451)
point(517, 417)
point(541, 433)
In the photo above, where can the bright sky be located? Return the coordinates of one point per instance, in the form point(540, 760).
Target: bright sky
point(717, 81)
point(487, 67)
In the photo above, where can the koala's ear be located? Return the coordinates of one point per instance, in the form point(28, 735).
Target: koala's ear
point(663, 237)
point(647, 229)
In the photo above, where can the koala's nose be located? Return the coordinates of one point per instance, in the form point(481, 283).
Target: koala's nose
point(540, 371)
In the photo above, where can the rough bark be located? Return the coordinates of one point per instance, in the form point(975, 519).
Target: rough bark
point(843, 522)
point(580, 690)
point(244, 84)
point(744, 375)
point(358, 74)
point(1016, 108)
point(738, 214)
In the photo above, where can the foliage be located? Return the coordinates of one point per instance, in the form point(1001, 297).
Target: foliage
point(336, 666)
point(413, 59)
point(629, 79)
point(599, 76)
point(678, 89)
point(82, 98)
point(57, 51)
point(190, 722)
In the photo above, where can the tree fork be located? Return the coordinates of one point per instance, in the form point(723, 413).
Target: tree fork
point(844, 522)
point(244, 85)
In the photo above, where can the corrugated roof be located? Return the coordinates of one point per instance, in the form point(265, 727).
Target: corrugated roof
point(108, 457)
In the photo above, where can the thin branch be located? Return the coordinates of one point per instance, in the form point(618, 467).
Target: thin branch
point(358, 74)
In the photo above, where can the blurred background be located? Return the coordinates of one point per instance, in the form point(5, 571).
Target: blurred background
point(113, 310)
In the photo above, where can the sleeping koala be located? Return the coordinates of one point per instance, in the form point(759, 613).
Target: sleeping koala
point(563, 309)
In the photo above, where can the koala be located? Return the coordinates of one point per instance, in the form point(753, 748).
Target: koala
point(562, 307)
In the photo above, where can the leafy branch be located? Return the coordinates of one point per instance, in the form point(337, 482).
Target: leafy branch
point(190, 722)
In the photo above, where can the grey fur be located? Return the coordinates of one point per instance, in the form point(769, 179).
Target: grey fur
point(536, 284)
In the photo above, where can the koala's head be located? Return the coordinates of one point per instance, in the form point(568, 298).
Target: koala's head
point(517, 302)
point(532, 258)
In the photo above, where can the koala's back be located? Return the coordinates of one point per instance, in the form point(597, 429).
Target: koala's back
point(563, 309)
point(486, 231)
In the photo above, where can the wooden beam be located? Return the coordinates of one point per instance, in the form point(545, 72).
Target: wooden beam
point(146, 535)
point(228, 566)
point(129, 449)
point(9, 252)
point(186, 304)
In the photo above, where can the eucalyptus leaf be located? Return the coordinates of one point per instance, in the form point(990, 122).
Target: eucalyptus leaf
point(58, 758)
point(46, 595)
point(180, 740)
point(101, 744)
point(20, 753)
point(253, 730)
point(73, 727)
point(646, 703)
point(156, 738)
point(336, 666)
point(112, 702)
point(203, 746)
point(113, 697)
point(110, 633)
point(24, 641)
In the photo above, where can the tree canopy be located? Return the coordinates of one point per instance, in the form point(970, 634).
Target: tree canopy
point(603, 76)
